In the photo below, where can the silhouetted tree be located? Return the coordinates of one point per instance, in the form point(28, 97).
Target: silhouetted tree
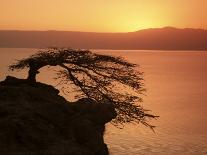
point(99, 77)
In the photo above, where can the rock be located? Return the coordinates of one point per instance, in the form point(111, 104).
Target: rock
point(35, 120)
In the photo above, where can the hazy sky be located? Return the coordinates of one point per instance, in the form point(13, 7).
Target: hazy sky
point(101, 15)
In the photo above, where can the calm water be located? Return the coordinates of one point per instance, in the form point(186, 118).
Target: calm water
point(176, 85)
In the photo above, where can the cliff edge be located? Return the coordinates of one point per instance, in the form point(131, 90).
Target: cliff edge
point(36, 120)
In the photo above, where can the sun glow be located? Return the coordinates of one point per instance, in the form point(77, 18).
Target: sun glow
point(101, 16)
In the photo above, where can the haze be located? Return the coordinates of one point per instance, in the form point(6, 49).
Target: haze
point(101, 16)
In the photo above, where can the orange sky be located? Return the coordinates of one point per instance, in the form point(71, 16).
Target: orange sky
point(101, 15)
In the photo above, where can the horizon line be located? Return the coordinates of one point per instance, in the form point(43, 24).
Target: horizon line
point(165, 27)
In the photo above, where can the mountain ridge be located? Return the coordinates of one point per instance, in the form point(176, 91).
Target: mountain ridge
point(167, 38)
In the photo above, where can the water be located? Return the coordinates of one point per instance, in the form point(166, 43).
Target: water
point(176, 85)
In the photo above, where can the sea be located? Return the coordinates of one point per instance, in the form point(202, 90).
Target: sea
point(176, 84)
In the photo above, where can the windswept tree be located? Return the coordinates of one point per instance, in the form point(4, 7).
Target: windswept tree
point(96, 76)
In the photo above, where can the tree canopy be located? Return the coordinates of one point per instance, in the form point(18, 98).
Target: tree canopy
point(103, 78)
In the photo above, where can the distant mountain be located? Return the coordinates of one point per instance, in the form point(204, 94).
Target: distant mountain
point(167, 38)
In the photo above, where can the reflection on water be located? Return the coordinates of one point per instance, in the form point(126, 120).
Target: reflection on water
point(176, 90)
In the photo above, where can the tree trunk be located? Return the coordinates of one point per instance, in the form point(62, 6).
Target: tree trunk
point(32, 75)
point(33, 71)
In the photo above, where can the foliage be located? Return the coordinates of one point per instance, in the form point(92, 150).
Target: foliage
point(99, 77)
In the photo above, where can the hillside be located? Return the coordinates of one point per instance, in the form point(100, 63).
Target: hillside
point(167, 38)
point(35, 120)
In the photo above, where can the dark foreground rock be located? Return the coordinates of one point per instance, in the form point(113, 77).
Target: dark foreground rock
point(35, 120)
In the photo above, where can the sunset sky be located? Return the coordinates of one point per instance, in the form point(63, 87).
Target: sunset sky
point(101, 15)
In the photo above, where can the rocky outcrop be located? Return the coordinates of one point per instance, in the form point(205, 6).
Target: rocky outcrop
point(35, 120)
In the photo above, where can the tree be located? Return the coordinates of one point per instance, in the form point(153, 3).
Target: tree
point(96, 76)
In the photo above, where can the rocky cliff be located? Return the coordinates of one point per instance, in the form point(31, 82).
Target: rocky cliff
point(35, 120)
